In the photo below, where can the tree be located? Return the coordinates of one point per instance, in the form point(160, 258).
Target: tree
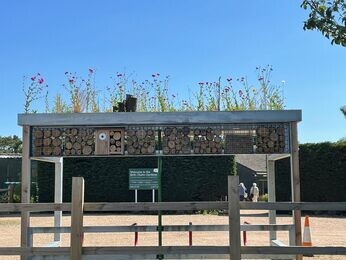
point(343, 110)
point(10, 144)
point(329, 17)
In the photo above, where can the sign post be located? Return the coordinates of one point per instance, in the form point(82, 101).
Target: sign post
point(144, 179)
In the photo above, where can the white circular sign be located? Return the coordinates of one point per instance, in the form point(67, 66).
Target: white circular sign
point(102, 136)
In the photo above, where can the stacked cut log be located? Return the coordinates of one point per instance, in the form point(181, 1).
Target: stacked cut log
point(47, 142)
point(79, 141)
point(270, 139)
point(236, 143)
point(116, 141)
point(140, 141)
point(207, 141)
point(176, 140)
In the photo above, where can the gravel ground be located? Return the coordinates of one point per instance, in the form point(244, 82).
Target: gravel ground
point(326, 231)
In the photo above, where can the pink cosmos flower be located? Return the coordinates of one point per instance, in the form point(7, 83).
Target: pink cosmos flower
point(41, 80)
point(33, 78)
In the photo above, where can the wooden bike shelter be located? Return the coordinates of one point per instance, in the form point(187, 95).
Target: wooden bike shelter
point(51, 137)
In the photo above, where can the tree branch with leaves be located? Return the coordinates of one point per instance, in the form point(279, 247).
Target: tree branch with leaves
point(329, 17)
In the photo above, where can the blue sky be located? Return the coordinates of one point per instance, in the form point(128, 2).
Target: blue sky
point(189, 40)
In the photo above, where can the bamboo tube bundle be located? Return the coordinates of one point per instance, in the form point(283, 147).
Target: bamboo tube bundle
point(176, 140)
point(116, 141)
point(207, 141)
point(239, 143)
point(140, 141)
point(79, 141)
point(270, 139)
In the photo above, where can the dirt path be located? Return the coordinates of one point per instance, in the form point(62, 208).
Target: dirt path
point(325, 231)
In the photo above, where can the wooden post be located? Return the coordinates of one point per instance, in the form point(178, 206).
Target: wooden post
point(10, 193)
point(295, 183)
point(77, 217)
point(234, 217)
point(271, 196)
point(25, 189)
point(58, 196)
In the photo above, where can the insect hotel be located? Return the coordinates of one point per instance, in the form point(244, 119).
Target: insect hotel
point(51, 137)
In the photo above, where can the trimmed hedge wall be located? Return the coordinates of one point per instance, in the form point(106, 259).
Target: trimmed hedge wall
point(322, 173)
point(106, 179)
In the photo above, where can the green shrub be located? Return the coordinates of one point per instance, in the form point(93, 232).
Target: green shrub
point(322, 173)
point(106, 179)
point(263, 197)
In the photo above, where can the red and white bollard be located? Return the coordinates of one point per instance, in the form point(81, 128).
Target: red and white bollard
point(190, 235)
point(244, 233)
point(136, 235)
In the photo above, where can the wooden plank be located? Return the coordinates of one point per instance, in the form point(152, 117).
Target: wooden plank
point(234, 217)
point(271, 195)
point(276, 242)
point(295, 184)
point(25, 187)
point(47, 159)
point(293, 250)
point(167, 228)
point(321, 206)
point(292, 236)
point(58, 191)
point(34, 251)
point(149, 206)
point(249, 250)
point(34, 207)
point(77, 218)
point(157, 118)
point(102, 146)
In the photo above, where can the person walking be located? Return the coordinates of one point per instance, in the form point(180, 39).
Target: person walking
point(242, 191)
point(254, 192)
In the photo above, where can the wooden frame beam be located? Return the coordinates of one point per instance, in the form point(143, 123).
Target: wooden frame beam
point(25, 188)
point(160, 118)
point(295, 184)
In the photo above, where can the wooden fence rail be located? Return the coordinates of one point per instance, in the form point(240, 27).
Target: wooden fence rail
point(172, 206)
point(166, 228)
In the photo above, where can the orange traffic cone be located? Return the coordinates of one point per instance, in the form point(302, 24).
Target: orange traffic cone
point(307, 234)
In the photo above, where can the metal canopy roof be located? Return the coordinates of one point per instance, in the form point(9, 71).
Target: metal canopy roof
point(159, 118)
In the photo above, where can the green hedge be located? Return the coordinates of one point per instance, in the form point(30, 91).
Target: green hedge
point(106, 179)
point(322, 173)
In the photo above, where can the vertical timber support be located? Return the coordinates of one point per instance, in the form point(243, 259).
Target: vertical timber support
point(77, 218)
point(58, 189)
point(234, 217)
point(159, 192)
point(25, 190)
point(271, 196)
point(295, 184)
